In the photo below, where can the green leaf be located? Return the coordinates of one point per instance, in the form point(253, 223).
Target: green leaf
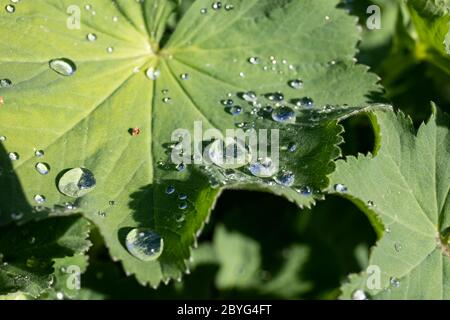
point(84, 120)
point(404, 188)
point(431, 19)
point(29, 253)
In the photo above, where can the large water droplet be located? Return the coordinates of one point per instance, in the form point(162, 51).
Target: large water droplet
point(283, 115)
point(63, 66)
point(76, 182)
point(144, 244)
point(264, 168)
point(229, 154)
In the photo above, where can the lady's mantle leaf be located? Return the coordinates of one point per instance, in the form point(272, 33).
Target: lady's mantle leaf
point(406, 186)
point(108, 95)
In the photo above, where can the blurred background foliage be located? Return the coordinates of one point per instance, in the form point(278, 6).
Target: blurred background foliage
point(259, 246)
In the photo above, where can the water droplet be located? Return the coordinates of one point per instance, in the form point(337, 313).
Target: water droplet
point(254, 60)
point(277, 97)
point(182, 197)
point(144, 244)
point(235, 110)
point(229, 153)
point(283, 115)
point(42, 168)
point(229, 7)
point(183, 206)
point(285, 178)
point(110, 49)
point(370, 203)
point(59, 295)
point(242, 74)
point(91, 37)
point(203, 11)
point(180, 167)
point(39, 153)
point(398, 247)
point(359, 295)
point(296, 84)
point(115, 19)
point(184, 76)
point(10, 8)
point(340, 188)
point(292, 147)
point(217, 5)
point(5, 83)
point(13, 156)
point(2, 138)
point(16, 215)
point(63, 66)
point(394, 282)
point(170, 190)
point(305, 102)
point(76, 182)
point(39, 199)
point(167, 100)
point(228, 102)
point(264, 168)
point(249, 96)
point(112, 203)
point(305, 191)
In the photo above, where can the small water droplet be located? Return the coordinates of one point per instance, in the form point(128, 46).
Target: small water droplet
point(263, 168)
point(398, 247)
point(305, 102)
point(91, 37)
point(249, 96)
point(285, 178)
point(2, 138)
point(39, 199)
point(184, 76)
point(5, 83)
point(10, 8)
point(63, 66)
point(180, 167)
point(16, 215)
point(217, 5)
point(110, 49)
point(370, 203)
point(42, 168)
point(305, 191)
point(167, 100)
point(39, 153)
point(340, 188)
point(76, 182)
point(13, 156)
point(170, 190)
point(182, 197)
point(394, 282)
point(183, 206)
point(235, 110)
point(359, 295)
point(277, 97)
point(59, 295)
point(296, 84)
point(254, 60)
point(203, 11)
point(227, 102)
point(112, 203)
point(144, 244)
point(229, 7)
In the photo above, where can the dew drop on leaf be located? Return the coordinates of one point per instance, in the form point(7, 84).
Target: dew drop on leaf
point(39, 199)
point(296, 84)
point(39, 153)
point(91, 37)
point(184, 76)
point(254, 60)
point(359, 295)
point(10, 8)
point(283, 115)
point(263, 168)
point(398, 247)
point(76, 182)
point(249, 96)
point(42, 168)
point(394, 282)
point(2, 138)
point(217, 5)
point(5, 83)
point(229, 154)
point(285, 178)
point(170, 190)
point(144, 244)
point(63, 66)
point(183, 206)
point(340, 188)
point(13, 156)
